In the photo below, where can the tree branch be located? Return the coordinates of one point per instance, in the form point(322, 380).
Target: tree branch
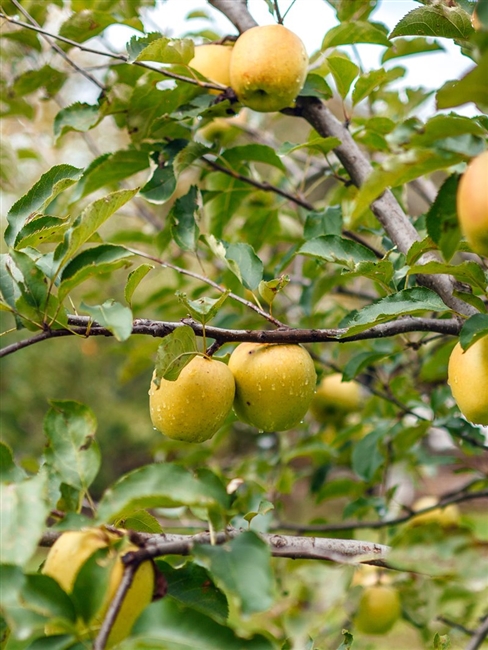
point(347, 551)
point(85, 327)
point(479, 636)
point(386, 208)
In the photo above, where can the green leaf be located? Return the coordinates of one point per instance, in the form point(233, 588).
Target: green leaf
point(167, 623)
point(72, 449)
point(23, 512)
point(366, 83)
point(203, 309)
point(327, 222)
point(86, 24)
point(475, 328)
point(324, 145)
point(141, 521)
point(138, 44)
point(245, 264)
point(45, 77)
point(408, 301)
point(253, 152)
point(160, 186)
point(347, 641)
point(174, 352)
point(470, 88)
point(112, 315)
point(359, 362)
point(42, 230)
point(242, 568)
point(441, 219)
point(110, 169)
point(316, 86)
point(159, 485)
point(435, 20)
point(93, 261)
point(28, 602)
point(92, 583)
point(162, 50)
point(353, 9)
point(366, 455)
point(344, 72)
point(9, 471)
point(401, 169)
point(468, 272)
point(88, 222)
point(77, 117)
point(134, 278)
point(52, 183)
point(184, 227)
point(193, 586)
point(409, 46)
point(332, 248)
point(270, 289)
point(358, 31)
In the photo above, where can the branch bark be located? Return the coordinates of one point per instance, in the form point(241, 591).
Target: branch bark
point(85, 327)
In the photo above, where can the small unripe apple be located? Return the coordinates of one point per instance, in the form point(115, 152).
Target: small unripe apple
point(379, 609)
point(195, 406)
point(213, 62)
point(70, 552)
point(467, 375)
point(335, 398)
point(268, 67)
point(472, 204)
point(446, 517)
point(274, 384)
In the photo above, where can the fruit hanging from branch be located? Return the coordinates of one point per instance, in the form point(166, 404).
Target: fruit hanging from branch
point(379, 609)
point(468, 378)
point(268, 67)
point(274, 384)
point(193, 407)
point(213, 61)
point(472, 204)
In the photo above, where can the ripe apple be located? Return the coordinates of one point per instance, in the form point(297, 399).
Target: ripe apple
point(274, 384)
point(67, 556)
point(467, 375)
point(472, 204)
point(213, 62)
point(379, 609)
point(335, 398)
point(447, 517)
point(268, 67)
point(195, 406)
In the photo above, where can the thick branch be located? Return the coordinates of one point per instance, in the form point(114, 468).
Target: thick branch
point(348, 551)
point(479, 636)
point(84, 326)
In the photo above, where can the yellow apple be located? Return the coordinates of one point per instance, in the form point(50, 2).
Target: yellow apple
point(70, 552)
point(268, 67)
point(213, 62)
point(195, 406)
point(379, 609)
point(467, 375)
point(335, 398)
point(446, 517)
point(274, 384)
point(472, 204)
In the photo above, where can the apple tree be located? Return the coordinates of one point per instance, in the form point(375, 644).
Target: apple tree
point(151, 216)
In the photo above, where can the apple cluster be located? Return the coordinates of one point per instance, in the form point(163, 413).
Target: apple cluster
point(266, 67)
point(270, 387)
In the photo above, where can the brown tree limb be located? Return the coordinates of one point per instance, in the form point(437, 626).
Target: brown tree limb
point(83, 326)
point(479, 636)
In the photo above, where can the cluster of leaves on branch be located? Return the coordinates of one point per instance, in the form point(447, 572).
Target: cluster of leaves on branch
point(141, 202)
